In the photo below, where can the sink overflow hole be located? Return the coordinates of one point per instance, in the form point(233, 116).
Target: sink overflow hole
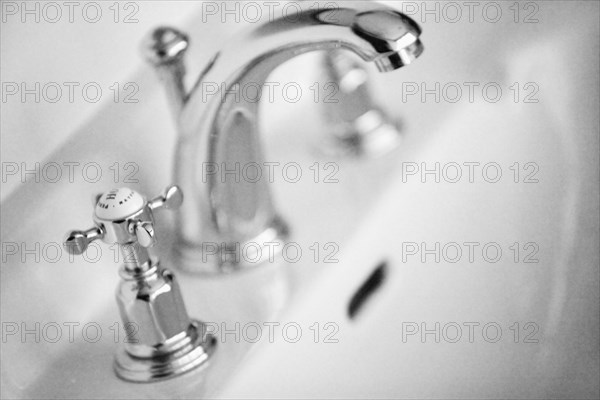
point(366, 290)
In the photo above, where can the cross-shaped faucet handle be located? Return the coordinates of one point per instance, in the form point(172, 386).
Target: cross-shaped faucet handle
point(124, 216)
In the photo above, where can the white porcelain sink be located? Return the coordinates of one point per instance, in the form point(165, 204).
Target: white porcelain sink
point(376, 207)
point(381, 353)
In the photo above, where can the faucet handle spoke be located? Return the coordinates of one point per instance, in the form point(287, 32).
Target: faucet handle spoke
point(170, 199)
point(77, 242)
point(144, 232)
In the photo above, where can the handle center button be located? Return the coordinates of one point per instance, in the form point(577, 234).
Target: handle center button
point(119, 204)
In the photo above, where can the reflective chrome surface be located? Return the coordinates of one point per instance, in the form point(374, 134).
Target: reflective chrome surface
point(221, 130)
point(163, 342)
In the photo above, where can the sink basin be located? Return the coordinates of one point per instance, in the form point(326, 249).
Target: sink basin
point(376, 314)
point(442, 322)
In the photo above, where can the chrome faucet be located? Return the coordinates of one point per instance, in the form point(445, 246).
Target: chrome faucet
point(222, 130)
point(163, 341)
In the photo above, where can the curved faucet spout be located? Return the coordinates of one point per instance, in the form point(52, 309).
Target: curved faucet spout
point(219, 133)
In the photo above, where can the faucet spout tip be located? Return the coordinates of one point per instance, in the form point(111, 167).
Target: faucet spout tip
point(400, 58)
point(395, 36)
